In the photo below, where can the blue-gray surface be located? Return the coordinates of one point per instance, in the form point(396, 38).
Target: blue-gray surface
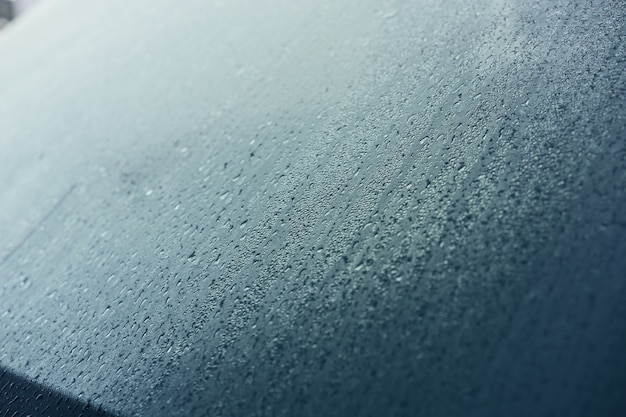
point(317, 208)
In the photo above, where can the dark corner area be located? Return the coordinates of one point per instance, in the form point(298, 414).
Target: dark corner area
point(20, 397)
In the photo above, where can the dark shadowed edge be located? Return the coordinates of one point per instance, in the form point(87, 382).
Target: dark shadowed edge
point(21, 397)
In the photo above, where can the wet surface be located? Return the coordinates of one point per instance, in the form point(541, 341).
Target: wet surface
point(334, 208)
point(20, 397)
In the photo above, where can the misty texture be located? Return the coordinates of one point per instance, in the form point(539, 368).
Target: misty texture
point(289, 208)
